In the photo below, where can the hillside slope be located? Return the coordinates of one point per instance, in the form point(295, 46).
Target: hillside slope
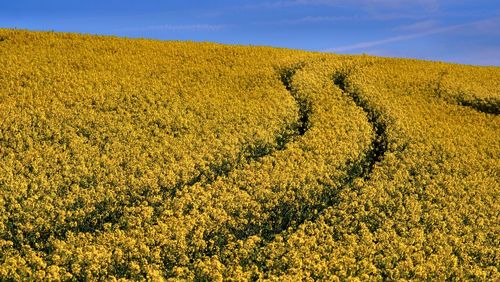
point(142, 159)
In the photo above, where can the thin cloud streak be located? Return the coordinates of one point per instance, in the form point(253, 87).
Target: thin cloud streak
point(428, 4)
point(383, 10)
point(310, 20)
point(368, 44)
point(418, 26)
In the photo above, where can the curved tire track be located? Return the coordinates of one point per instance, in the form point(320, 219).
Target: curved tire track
point(484, 105)
point(360, 169)
point(379, 143)
point(107, 211)
point(256, 151)
point(289, 217)
point(487, 106)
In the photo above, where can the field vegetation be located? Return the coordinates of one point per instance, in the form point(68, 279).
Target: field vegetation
point(135, 159)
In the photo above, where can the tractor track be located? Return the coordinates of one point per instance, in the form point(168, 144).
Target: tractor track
point(110, 212)
point(290, 218)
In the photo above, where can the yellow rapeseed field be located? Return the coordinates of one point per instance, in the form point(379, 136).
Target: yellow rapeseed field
point(133, 159)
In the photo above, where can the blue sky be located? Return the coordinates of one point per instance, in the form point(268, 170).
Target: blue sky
point(449, 30)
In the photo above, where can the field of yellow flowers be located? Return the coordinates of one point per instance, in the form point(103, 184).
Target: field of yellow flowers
point(134, 159)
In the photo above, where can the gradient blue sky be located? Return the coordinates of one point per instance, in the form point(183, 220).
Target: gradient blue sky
point(450, 30)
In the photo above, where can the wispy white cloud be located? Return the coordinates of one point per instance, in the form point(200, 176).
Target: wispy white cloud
point(428, 4)
point(372, 9)
point(309, 20)
point(394, 39)
point(418, 26)
point(488, 26)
